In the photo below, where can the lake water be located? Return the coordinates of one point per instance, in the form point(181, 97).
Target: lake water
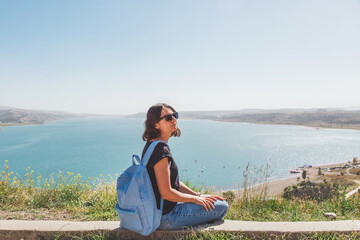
point(208, 152)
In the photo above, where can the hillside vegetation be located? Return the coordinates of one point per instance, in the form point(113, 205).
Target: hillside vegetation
point(13, 116)
point(68, 196)
point(322, 118)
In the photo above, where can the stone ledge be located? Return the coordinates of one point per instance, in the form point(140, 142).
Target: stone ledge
point(29, 230)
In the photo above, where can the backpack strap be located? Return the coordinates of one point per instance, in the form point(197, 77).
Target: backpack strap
point(161, 203)
point(135, 158)
point(146, 159)
point(149, 151)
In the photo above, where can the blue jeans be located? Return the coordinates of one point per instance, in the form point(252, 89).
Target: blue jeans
point(190, 214)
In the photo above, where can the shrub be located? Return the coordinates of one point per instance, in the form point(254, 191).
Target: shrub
point(310, 190)
point(229, 197)
point(304, 175)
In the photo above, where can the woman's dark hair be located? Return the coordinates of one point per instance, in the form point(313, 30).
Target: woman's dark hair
point(153, 116)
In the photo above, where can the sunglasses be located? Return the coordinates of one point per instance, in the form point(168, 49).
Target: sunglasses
point(169, 117)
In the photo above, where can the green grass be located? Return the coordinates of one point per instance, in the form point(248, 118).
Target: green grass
point(94, 199)
point(85, 199)
point(280, 209)
point(204, 235)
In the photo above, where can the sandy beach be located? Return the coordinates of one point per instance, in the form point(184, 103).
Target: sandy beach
point(276, 187)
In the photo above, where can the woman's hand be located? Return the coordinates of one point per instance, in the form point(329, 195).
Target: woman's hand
point(207, 201)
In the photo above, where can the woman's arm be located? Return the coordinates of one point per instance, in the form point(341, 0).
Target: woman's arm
point(162, 174)
point(186, 189)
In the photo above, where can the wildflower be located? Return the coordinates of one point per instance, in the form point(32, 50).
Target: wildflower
point(6, 160)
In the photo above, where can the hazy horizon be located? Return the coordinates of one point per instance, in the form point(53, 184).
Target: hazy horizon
point(121, 57)
point(353, 108)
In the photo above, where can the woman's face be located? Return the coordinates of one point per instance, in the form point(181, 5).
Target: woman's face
point(166, 127)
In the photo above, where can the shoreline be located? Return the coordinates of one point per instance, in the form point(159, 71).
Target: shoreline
point(276, 187)
point(289, 124)
point(21, 124)
point(16, 124)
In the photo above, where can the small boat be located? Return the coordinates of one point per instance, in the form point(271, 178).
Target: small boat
point(295, 171)
point(306, 166)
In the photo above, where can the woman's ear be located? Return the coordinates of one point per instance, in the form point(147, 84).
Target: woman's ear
point(157, 126)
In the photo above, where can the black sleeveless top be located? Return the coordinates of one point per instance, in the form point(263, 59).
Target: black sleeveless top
point(162, 151)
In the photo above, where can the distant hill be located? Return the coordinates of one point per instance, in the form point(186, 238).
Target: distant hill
point(5, 108)
point(322, 118)
point(13, 116)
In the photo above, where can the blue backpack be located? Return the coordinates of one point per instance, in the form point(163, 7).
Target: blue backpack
point(136, 204)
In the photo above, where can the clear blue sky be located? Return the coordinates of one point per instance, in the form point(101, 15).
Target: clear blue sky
point(121, 57)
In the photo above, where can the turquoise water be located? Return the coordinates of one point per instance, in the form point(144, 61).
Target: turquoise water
point(208, 152)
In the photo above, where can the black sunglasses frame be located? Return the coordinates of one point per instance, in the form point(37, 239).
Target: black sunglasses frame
point(168, 117)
